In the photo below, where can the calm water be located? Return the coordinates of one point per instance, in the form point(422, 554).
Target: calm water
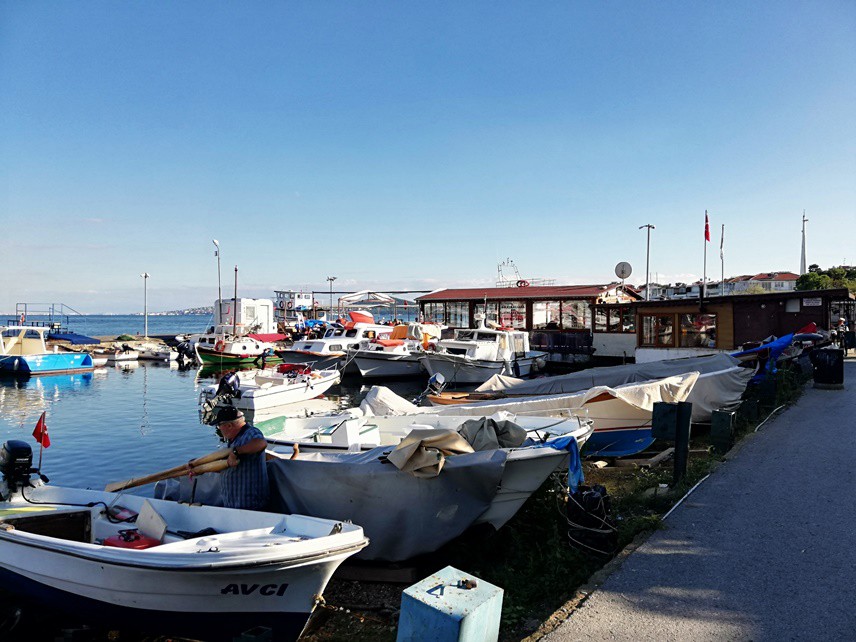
point(98, 325)
point(118, 423)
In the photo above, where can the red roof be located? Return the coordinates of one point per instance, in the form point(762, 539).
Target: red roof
point(530, 292)
point(775, 276)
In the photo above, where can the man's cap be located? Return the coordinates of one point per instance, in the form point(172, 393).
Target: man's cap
point(228, 414)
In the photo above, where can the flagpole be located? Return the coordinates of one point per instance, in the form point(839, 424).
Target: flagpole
point(722, 259)
point(704, 278)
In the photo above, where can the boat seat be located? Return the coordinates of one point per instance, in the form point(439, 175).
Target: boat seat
point(388, 343)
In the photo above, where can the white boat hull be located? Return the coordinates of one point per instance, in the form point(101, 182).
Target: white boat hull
point(278, 391)
point(382, 365)
point(212, 586)
point(462, 370)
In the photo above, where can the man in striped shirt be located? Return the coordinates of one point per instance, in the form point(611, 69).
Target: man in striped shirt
point(245, 481)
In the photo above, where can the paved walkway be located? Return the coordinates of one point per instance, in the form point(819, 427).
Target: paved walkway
point(765, 549)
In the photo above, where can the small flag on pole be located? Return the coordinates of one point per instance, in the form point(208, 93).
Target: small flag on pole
point(706, 227)
point(41, 432)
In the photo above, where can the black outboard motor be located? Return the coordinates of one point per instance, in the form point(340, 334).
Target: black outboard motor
point(230, 385)
point(16, 463)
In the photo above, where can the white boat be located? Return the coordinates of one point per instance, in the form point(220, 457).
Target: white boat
point(268, 388)
point(396, 356)
point(402, 514)
point(344, 431)
point(330, 349)
point(475, 355)
point(116, 354)
point(156, 352)
point(204, 572)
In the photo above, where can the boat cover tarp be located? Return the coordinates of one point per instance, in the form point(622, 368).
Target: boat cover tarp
point(422, 453)
point(486, 432)
point(402, 515)
point(73, 338)
point(775, 347)
point(268, 338)
point(611, 376)
point(380, 400)
point(720, 386)
point(641, 396)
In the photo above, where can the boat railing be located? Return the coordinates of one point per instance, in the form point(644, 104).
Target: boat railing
point(54, 316)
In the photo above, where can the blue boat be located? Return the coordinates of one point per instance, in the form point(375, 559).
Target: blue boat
point(23, 353)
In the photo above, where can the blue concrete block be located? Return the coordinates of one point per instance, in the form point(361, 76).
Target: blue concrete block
point(441, 608)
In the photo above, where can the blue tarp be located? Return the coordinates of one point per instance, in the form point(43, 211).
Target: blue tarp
point(776, 348)
point(73, 337)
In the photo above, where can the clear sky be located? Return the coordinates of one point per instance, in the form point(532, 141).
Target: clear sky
point(402, 145)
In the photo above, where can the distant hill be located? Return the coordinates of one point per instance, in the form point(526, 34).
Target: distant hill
point(209, 310)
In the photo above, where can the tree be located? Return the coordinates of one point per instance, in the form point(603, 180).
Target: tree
point(814, 281)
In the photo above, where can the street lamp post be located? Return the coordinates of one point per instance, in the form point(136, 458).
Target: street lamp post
point(145, 276)
point(331, 279)
point(219, 293)
point(648, 261)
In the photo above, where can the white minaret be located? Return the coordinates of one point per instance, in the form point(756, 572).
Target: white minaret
point(802, 256)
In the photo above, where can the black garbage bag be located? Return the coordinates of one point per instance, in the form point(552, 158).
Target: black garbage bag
point(590, 527)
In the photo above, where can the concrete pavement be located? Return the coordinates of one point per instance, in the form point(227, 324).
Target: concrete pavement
point(765, 549)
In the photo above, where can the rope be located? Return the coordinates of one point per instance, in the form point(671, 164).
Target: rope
point(768, 417)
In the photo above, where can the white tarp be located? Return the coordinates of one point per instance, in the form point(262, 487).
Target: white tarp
point(636, 396)
point(720, 386)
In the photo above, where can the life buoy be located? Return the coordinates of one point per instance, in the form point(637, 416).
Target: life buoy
point(290, 305)
point(282, 305)
point(522, 283)
point(431, 347)
point(220, 346)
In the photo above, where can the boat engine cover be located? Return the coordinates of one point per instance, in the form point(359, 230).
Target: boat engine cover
point(16, 462)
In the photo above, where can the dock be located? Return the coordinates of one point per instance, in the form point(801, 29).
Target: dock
point(762, 550)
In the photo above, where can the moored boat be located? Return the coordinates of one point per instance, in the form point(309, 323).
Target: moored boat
point(396, 356)
point(197, 571)
point(23, 352)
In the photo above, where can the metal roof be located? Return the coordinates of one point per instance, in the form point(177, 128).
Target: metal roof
point(531, 292)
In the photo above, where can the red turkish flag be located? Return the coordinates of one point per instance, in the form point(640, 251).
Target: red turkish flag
point(706, 227)
point(41, 432)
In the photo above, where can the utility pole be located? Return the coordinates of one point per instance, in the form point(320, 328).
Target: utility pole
point(219, 293)
point(648, 261)
point(145, 276)
point(330, 279)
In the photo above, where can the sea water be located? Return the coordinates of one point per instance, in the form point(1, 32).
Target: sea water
point(114, 325)
point(126, 421)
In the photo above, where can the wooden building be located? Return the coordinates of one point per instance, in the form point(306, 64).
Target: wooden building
point(682, 327)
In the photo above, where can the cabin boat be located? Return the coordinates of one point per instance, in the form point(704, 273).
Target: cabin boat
point(227, 345)
point(397, 356)
point(23, 352)
point(156, 352)
point(268, 388)
point(330, 350)
point(195, 571)
point(475, 355)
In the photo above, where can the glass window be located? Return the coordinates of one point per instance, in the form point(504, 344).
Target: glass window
point(512, 314)
point(698, 330)
point(434, 312)
point(576, 315)
point(458, 314)
point(600, 319)
point(628, 320)
point(658, 331)
point(546, 315)
point(491, 311)
point(665, 330)
point(649, 326)
point(614, 320)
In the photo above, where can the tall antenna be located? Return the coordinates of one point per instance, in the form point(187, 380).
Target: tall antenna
point(802, 256)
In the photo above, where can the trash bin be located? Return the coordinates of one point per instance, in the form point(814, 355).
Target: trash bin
point(828, 366)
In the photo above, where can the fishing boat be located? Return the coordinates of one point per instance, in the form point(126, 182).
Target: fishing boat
point(156, 352)
point(23, 352)
point(196, 571)
point(346, 432)
point(405, 514)
point(229, 345)
point(268, 388)
point(330, 349)
point(720, 386)
point(396, 356)
point(475, 355)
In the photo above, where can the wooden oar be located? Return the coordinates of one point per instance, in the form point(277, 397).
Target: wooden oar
point(197, 466)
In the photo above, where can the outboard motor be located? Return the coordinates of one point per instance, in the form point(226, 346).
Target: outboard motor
point(436, 384)
point(230, 385)
point(16, 463)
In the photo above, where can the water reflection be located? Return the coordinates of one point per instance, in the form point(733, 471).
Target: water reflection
point(22, 400)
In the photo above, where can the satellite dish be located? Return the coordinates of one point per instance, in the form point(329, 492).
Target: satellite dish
point(623, 270)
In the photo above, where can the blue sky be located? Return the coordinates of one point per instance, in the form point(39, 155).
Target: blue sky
point(403, 145)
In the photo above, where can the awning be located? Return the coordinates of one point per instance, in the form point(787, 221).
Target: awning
point(73, 338)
